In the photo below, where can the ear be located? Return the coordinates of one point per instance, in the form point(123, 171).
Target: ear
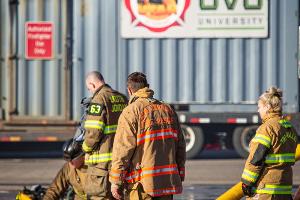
point(129, 91)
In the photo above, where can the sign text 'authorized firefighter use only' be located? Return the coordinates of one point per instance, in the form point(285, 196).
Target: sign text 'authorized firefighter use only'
point(39, 40)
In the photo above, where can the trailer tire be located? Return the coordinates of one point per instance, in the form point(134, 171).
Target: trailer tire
point(241, 139)
point(194, 138)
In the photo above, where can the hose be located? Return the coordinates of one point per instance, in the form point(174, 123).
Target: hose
point(236, 193)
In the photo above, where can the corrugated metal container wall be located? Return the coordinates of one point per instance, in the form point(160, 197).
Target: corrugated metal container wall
point(96, 43)
point(3, 53)
point(204, 71)
point(36, 86)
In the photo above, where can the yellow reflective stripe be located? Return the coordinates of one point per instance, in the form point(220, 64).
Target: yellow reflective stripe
point(98, 158)
point(110, 129)
point(82, 195)
point(280, 158)
point(275, 189)
point(249, 176)
point(285, 123)
point(262, 139)
point(94, 124)
point(86, 148)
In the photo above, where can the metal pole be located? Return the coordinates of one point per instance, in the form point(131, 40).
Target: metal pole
point(68, 58)
point(13, 55)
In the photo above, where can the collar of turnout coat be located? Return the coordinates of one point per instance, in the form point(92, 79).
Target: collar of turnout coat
point(98, 90)
point(271, 115)
point(141, 93)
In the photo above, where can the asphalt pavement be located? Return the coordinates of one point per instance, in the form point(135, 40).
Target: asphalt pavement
point(206, 178)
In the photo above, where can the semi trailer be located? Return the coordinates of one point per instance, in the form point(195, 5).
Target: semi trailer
point(213, 82)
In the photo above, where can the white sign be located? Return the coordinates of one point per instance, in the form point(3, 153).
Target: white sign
point(194, 18)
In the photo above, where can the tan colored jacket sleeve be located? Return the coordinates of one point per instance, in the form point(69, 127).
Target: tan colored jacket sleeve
point(180, 152)
point(59, 185)
point(259, 147)
point(124, 145)
point(94, 124)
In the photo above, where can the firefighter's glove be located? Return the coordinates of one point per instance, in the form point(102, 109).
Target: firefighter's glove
point(116, 191)
point(248, 190)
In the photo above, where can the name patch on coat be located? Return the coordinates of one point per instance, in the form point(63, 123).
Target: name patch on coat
point(288, 135)
point(95, 109)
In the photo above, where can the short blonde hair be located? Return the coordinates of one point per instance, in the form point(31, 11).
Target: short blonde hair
point(272, 97)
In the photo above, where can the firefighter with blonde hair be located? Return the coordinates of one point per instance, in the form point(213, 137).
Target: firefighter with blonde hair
point(268, 170)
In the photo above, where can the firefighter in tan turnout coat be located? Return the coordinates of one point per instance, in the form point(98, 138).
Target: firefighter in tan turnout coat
point(149, 147)
point(268, 170)
point(73, 173)
point(100, 127)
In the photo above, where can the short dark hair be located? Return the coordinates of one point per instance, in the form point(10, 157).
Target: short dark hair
point(136, 81)
point(95, 75)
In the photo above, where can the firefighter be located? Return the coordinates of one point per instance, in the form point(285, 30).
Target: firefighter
point(73, 173)
point(268, 170)
point(149, 147)
point(100, 126)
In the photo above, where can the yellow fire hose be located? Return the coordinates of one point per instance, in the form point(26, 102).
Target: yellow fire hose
point(236, 193)
point(22, 196)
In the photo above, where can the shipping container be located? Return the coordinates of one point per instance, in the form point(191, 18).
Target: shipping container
point(214, 83)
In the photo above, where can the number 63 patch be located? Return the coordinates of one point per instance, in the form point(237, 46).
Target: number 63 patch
point(95, 109)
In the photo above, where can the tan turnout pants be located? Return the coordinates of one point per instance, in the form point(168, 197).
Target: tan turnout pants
point(270, 197)
point(136, 192)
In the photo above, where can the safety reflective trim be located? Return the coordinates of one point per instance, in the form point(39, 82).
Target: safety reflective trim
point(262, 139)
point(182, 171)
point(98, 158)
point(116, 171)
point(285, 123)
point(150, 172)
point(156, 135)
point(81, 194)
point(280, 158)
point(117, 175)
point(110, 129)
point(94, 124)
point(249, 176)
point(164, 191)
point(86, 148)
point(275, 189)
point(114, 175)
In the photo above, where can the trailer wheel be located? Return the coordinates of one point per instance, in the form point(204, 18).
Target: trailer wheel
point(241, 139)
point(194, 139)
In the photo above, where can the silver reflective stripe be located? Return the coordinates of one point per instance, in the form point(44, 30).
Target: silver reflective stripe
point(275, 189)
point(110, 129)
point(163, 191)
point(265, 140)
point(249, 176)
point(170, 133)
point(97, 158)
point(280, 158)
